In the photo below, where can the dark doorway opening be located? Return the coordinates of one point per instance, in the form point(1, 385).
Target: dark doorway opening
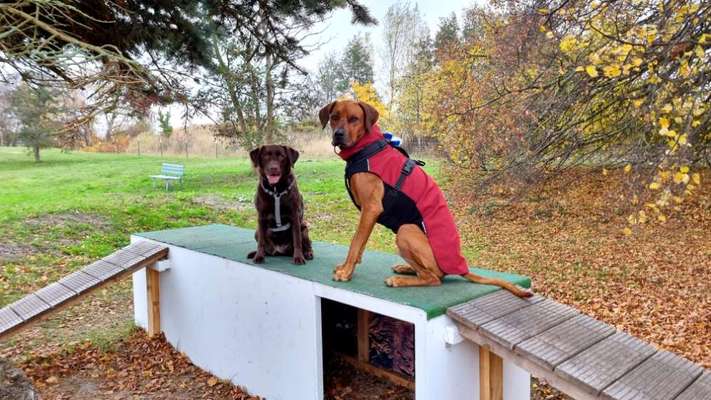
point(366, 355)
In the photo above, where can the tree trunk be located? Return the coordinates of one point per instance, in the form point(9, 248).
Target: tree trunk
point(228, 77)
point(269, 134)
point(36, 151)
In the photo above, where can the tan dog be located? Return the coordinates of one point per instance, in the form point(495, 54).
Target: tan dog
point(352, 122)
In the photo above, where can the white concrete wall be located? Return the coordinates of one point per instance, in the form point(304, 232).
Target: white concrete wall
point(262, 330)
point(257, 328)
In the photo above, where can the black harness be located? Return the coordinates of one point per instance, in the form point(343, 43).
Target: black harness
point(398, 208)
point(277, 205)
point(353, 164)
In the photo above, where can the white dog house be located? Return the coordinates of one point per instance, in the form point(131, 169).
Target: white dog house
point(260, 325)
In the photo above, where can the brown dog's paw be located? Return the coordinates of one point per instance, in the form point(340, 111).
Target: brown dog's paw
point(251, 254)
point(391, 282)
point(258, 258)
point(299, 259)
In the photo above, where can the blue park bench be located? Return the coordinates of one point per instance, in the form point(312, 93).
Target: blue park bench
point(169, 173)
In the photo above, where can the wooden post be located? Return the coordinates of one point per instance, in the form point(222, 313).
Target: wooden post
point(362, 333)
point(153, 290)
point(491, 375)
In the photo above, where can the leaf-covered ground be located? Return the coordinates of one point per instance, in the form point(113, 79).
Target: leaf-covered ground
point(655, 284)
point(74, 208)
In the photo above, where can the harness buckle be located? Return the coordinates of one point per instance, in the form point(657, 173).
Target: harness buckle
point(408, 167)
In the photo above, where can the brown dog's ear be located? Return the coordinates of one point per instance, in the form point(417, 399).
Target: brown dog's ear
point(254, 155)
point(371, 115)
point(292, 154)
point(325, 113)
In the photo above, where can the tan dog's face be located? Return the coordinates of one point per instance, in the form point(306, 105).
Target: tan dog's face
point(349, 121)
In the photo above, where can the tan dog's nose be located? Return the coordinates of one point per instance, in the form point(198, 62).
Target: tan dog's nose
point(339, 137)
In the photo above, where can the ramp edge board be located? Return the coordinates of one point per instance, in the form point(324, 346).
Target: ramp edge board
point(58, 295)
point(580, 356)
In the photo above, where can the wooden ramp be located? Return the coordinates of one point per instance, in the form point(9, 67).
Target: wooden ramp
point(55, 296)
point(582, 357)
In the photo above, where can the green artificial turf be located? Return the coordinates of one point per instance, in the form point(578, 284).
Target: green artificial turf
point(234, 243)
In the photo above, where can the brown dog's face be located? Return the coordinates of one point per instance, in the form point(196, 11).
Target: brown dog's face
point(274, 162)
point(349, 121)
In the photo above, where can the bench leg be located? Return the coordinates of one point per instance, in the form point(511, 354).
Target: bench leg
point(491, 375)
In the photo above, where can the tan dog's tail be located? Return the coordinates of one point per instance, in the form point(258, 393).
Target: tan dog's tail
point(498, 282)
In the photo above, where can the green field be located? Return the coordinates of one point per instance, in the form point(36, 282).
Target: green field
point(73, 208)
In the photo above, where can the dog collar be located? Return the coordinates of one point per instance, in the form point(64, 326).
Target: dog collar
point(277, 205)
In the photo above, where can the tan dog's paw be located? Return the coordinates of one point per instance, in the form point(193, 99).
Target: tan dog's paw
point(392, 281)
point(404, 269)
point(343, 273)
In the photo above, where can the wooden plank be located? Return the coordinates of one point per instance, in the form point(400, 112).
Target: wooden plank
point(55, 294)
point(153, 291)
point(37, 306)
point(29, 306)
point(491, 375)
point(123, 259)
point(700, 389)
point(479, 311)
point(603, 363)
point(79, 281)
point(563, 341)
point(554, 380)
point(390, 376)
point(363, 325)
point(145, 248)
point(527, 322)
point(8, 319)
point(661, 377)
point(102, 270)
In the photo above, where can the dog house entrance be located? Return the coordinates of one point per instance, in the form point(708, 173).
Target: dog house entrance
point(363, 350)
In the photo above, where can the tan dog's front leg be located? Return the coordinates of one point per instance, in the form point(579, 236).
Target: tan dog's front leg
point(368, 192)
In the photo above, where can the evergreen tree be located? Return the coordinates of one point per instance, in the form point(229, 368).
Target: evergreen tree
point(356, 63)
point(39, 116)
point(139, 44)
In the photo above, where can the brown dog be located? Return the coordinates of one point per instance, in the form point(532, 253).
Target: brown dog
point(281, 230)
point(354, 123)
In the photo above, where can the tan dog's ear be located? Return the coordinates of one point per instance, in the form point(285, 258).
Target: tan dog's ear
point(371, 115)
point(254, 155)
point(325, 113)
point(292, 154)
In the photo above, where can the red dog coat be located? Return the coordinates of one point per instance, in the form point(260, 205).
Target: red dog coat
point(411, 197)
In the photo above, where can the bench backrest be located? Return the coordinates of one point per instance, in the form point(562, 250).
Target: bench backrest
point(172, 169)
